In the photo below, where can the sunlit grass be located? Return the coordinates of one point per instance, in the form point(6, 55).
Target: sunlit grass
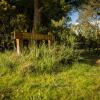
point(79, 82)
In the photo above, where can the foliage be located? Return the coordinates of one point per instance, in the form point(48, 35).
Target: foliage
point(10, 20)
point(62, 31)
point(88, 35)
point(19, 23)
point(44, 12)
point(4, 17)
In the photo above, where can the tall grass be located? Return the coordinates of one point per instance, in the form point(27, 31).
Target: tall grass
point(44, 74)
point(38, 60)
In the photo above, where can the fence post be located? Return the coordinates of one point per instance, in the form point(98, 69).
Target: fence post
point(18, 46)
point(49, 43)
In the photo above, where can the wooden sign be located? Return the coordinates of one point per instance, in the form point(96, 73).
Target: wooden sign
point(33, 36)
point(29, 36)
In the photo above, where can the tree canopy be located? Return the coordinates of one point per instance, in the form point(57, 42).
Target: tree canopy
point(37, 15)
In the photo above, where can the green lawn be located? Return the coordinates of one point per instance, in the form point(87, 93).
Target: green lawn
point(81, 82)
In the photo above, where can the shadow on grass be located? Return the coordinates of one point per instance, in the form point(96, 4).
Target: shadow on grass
point(89, 57)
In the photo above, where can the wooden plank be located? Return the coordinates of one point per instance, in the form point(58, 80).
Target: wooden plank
point(33, 36)
point(18, 35)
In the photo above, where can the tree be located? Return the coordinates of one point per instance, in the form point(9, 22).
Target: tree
point(4, 10)
point(37, 16)
point(41, 12)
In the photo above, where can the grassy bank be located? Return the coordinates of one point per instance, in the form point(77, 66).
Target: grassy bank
point(22, 79)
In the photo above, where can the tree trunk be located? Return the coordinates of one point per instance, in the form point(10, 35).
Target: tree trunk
point(37, 17)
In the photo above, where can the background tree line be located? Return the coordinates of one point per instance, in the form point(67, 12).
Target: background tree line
point(43, 16)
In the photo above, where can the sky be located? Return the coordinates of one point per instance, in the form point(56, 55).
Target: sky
point(74, 17)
